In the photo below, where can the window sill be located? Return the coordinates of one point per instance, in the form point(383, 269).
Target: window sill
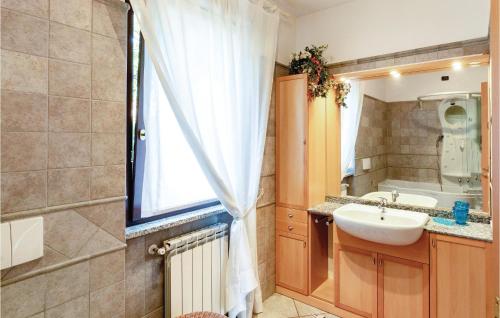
point(172, 221)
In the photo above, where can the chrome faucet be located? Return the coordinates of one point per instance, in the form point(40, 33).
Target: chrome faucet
point(382, 205)
point(395, 195)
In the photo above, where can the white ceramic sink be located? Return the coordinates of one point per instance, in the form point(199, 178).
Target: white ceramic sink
point(403, 198)
point(397, 227)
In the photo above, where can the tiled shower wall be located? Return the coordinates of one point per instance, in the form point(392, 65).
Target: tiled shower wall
point(63, 91)
point(413, 133)
point(400, 139)
point(370, 143)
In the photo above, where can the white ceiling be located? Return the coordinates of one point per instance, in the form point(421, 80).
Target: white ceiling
point(299, 8)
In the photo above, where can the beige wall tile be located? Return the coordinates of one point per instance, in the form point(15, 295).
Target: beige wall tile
point(108, 149)
point(109, 20)
point(268, 163)
point(24, 72)
point(68, 185)
point(76, 13)
point(66, 284)
point(23, 111)
point(69, 79)
point(267, 185)
point(69, 114)
point(107, 270)
point(108, 301)
point(68, 150)
point(67, 232)
point(24, 33)
point(135, 278)
point(100, 241)
point(154, 283)
point(78, 307)
point(110, 217)
point(23, 191)
point(23, 151)
point(158, 313)
point(108, 69)
point(68, 43)
point(108, 116)
point(24, 298)
point(39, 8)
point(108, 181)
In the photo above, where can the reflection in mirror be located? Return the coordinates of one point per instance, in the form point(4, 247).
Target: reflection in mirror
point(416, 139)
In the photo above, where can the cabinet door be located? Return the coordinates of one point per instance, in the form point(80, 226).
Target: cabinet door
point(458, 278)
point(291, 262)
point(403, 288)
point(356, 281)
point(291, 134)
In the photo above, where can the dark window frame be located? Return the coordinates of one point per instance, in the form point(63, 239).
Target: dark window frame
point(136, 148)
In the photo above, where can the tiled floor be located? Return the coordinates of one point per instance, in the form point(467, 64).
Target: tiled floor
point(279, 306)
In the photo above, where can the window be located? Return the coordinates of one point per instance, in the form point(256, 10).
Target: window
point(163, 176)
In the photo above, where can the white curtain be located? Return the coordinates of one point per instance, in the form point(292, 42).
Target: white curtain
point(349, 122)
point(215, 62)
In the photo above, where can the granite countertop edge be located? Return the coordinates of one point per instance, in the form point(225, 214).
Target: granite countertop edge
point(474, 230)
point(169, 222)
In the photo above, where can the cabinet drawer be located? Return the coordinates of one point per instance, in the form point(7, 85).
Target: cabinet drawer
point(291, 227)
point(287, 214)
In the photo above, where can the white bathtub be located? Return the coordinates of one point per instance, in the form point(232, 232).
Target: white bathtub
point(445, 198)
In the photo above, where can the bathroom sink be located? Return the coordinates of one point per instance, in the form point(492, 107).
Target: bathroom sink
point(393, 227)
point(403, 198)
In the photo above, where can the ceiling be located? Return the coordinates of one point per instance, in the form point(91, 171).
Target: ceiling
point(304, 7)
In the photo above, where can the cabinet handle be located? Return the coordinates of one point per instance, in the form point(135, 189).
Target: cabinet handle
point(304, 244)
point(433, 243)
point(290, 228)
point(374, 261)
point(380, 262)
point(290, 215)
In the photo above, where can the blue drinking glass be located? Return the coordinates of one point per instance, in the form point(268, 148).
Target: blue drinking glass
point(461, 215)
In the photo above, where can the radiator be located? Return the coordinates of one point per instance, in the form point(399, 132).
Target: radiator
point(195, 271)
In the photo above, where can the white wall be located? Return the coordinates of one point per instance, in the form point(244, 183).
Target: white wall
point(364, 28)
point(409, 87)
point(286, 39)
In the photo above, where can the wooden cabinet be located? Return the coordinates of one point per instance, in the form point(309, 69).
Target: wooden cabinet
point(300, 177)
point(376, 280)
point(356, 281)
point(459, 283)
point(291, 261)
point(403, 288)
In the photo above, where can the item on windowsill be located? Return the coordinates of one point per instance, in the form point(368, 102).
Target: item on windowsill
point(461, 212)
point(312, 63)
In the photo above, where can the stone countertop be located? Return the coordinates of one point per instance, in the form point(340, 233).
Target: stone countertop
point(473, 230)
point(172, 221)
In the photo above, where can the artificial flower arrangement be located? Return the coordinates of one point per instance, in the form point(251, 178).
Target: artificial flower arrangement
point(312, 63)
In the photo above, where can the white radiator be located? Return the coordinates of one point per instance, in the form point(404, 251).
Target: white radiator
point(195, 271)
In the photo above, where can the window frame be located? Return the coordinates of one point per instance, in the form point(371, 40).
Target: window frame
point(135, 148)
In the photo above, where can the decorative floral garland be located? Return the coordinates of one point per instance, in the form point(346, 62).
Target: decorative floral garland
point(312, 63)
point(342, 88)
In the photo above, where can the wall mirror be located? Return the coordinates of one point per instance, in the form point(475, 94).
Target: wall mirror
point(418, 138)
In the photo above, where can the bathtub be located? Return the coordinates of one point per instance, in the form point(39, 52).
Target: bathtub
point(445, 198)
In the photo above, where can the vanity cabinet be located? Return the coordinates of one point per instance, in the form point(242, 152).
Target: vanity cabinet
point(459, 278)
point(356, 281)
point(403, 288)
point(377, 280)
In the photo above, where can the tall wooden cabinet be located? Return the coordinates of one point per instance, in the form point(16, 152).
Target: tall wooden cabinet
point(300, 176)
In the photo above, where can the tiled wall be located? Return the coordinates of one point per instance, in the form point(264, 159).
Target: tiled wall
point(63, 91)
point(370, 143)
point(413, 133)
point(436, 52)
